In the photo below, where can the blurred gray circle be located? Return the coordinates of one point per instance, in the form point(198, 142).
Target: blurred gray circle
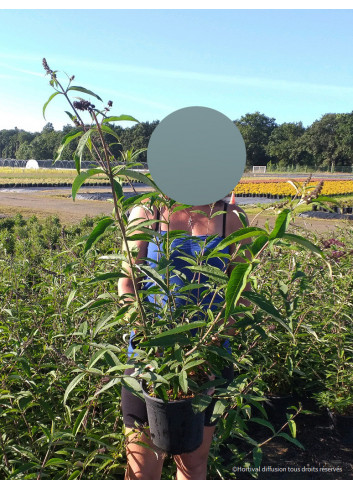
point(196, 155)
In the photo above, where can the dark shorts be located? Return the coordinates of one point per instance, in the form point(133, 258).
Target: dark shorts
point(134, 408)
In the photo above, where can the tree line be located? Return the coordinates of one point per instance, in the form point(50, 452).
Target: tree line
point(324, 145)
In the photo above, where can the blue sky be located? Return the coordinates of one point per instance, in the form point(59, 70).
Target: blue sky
point(293, 65)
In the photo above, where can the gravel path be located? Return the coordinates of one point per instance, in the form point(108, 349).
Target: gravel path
point(44, 202)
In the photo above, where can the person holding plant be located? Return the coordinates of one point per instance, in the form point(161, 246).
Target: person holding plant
point(143, 462)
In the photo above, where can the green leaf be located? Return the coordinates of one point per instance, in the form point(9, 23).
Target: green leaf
point(140, 237)
point(75, 133)
point(166, 341)
point(122, 117)
point(97, 232)
point(258, 244)
point(80, 147)
point(110, 131)
point(257, 456)
point(293, 238)
point(97, 356)
point(154, 275)
point(107, 276)
point(322, 198)
point(79, 421)
point(183, 381)
point(92, 304)
point(264, 305)
point(182, 329)
point(73, 384)
point(82, 177)
point(77, 161)
point(293, 427)
point(281, 224)
point(74, 475)
point(240, 235)
point(141, 177)
point(132, 385)
point(219, 409)
point(210, 271)
point(107, 386)
point(72, 117)
point(118, 189)
point(70, 298)
point(200, 402)
point(263, 422)
point(84, 90)
point(236, 285)
point(193, 363)
point(49, 100)
point(56, 461)
point(292, 440)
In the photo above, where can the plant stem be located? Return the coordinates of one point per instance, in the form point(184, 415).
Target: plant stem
point(121, 226)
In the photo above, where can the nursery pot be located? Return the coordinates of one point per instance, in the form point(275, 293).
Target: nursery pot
point(174, 426)
point(276, 408)
point(343, 426)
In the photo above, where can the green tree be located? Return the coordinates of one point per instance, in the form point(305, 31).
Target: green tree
point(323, 140)
point(283, 143)
point(256, 130)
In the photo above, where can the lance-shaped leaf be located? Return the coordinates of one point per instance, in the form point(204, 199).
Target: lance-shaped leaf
point(97, 232)
point(110, 131)
point(84, 141)
point(72, 117)
point(258, 244)
point(241, 234)
point(75, 133)
point(155, 276)
point(82, 177)
point(236, 285)
point(200, 402)
point(322, 198)
point(303, 242)
point(73, 384)
point(171, 340)
point(183, 381)
point(118, 189)
point(122, 117)
point(182, 329)
point(213, 272)
point(262, 303)
point(141, 177)
point(84, 90)
point(281, 224)
point(49, 100)
point(107, 276)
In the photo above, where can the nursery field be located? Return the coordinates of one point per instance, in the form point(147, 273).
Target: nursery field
point(59, 317)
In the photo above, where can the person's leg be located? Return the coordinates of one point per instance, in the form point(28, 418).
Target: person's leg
point(193, 465)
point(143, 463)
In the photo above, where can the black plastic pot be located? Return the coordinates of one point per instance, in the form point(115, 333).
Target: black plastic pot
point(276, 408)
point(174, 426)
point(343, 426)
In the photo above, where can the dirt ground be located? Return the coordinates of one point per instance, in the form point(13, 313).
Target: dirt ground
point(58, 202)
point(325, 456)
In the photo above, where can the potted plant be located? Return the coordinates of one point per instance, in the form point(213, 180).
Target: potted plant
point(339, 405)
point(178, 355)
